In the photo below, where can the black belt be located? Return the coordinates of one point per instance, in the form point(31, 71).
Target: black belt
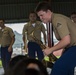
point(31, 41)
point(5, 46)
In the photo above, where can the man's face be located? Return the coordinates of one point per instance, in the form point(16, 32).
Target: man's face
point(32, 17)
point(73, 17)
point(45, 16)
point(1, 23)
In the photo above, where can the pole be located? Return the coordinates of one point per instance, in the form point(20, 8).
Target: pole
point(50, 34)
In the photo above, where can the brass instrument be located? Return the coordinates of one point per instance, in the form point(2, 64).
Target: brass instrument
point(51, 56)
point(26, 50)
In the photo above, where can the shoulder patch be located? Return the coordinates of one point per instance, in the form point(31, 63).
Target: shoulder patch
point(58, 24)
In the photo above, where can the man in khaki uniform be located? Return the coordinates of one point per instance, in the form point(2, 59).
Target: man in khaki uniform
point(34, 28)
point(65, 32)
point(7, 39)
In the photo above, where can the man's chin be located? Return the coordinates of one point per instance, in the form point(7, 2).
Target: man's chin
point(45, 22)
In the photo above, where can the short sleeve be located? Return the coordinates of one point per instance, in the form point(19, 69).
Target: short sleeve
point(62, 27)
point(24, 30)
point(11, 32)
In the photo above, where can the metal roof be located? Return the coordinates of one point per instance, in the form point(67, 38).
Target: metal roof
point(18, 10)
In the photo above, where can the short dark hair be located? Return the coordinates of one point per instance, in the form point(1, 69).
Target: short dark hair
point(43, 6)
point(32, 12)
point(22, 65)
point(73, 13)
point(32, 71)
point(2, 19)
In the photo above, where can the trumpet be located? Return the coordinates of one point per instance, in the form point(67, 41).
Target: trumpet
point(26, 50)
point(52, 57)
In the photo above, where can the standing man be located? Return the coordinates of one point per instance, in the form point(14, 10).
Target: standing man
point(34, 28)
point(7, 39)
point(65, 32)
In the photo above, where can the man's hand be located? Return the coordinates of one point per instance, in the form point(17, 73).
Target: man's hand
point(47, 51)
point(10, 48)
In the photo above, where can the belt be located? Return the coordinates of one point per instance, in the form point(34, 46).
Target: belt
point(4, 45)
point(31, 41)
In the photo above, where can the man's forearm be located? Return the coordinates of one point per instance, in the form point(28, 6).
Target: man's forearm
point(12, 41)
point(24, 40)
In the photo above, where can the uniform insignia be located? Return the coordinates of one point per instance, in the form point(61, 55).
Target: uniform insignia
point(58, 24)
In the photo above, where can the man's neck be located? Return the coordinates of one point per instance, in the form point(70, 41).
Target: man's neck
point(33, 22)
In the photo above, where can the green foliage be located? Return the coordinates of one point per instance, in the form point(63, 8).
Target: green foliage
point(0, 63)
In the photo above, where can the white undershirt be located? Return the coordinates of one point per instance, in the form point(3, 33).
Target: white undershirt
point(33, 24)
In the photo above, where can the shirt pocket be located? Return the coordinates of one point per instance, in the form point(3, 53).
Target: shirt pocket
point(5, 33)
